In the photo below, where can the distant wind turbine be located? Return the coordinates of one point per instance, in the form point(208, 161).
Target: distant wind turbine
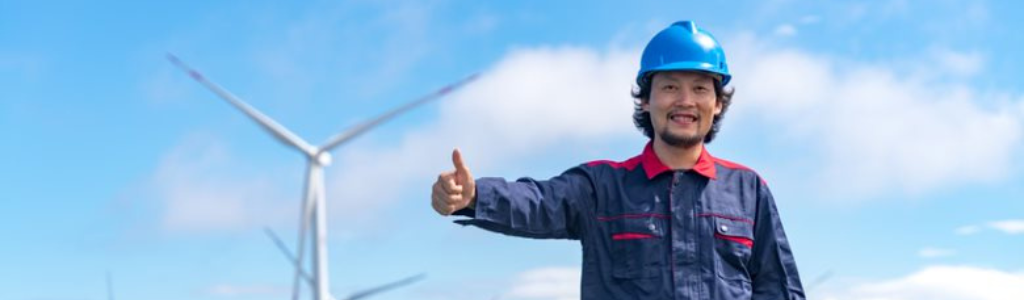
point(314, 200)
point(819, 280)
point(110, 287)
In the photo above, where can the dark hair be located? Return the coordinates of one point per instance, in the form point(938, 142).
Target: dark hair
point(642, 119)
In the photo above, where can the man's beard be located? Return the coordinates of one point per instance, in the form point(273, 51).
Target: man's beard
point(680, 140)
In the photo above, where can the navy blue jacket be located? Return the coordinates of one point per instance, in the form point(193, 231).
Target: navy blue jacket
point(649, 232)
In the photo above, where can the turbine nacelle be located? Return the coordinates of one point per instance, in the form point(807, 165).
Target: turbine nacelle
point(323, 158)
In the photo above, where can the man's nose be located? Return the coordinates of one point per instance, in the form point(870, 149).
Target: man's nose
point(684, 98)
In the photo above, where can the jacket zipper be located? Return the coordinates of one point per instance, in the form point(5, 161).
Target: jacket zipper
point(671, 230)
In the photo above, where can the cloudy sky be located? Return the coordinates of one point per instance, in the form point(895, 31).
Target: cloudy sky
point(891, 133)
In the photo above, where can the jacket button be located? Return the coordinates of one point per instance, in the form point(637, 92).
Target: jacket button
point(651, 226)
point(724, 228)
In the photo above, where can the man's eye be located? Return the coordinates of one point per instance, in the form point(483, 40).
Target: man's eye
point(668, 88)
point(701, 89)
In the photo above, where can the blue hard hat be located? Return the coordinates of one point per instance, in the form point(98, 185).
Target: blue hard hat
point(683, 46)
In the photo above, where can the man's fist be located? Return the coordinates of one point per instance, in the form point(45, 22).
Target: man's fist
point(454, 190)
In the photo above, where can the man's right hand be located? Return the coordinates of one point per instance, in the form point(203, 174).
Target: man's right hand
point(454, 190)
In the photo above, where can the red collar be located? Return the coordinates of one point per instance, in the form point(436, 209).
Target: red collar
point(653, 166)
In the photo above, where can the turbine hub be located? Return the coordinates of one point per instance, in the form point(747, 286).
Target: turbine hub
point(324, 159)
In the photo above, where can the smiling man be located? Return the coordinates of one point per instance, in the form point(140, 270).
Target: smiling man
point(671, 223)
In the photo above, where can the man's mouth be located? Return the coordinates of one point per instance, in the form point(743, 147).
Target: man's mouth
point(682, 117)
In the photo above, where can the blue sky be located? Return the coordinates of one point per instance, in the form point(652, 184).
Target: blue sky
point(891, 133)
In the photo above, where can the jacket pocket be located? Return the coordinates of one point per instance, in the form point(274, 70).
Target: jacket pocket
point(637, 247)
point(734, 240)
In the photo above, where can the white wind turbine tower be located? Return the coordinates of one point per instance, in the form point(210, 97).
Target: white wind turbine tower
point(314, 200)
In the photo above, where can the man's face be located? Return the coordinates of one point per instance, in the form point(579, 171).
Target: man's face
point(682, 107)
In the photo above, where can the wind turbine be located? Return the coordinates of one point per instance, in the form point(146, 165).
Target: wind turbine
point(110, 287)
point(314, 200)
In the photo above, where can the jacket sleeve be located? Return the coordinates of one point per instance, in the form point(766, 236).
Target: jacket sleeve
point(531, 208)
point(773, 269)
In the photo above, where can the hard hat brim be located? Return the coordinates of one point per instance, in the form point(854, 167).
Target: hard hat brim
point(687, 66)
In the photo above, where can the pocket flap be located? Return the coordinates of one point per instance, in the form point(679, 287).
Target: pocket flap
point(626, 229)
point(739, 231)
point(637, 247)
point(737, 228)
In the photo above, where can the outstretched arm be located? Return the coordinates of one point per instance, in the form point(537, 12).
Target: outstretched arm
point(526, 207)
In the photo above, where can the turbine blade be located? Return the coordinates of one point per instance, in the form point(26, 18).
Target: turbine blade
point(279, 132)
point(339, 139)
point(818, 281)
point(287, 254)
point(386, 287)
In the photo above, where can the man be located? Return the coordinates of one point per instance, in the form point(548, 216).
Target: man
point(671, 223)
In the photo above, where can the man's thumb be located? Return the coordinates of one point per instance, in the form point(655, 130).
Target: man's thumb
point(460, 166)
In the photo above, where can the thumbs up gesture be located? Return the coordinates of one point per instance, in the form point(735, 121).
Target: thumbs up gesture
point(454, 190)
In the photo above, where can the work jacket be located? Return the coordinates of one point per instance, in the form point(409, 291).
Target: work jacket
point(649, 232)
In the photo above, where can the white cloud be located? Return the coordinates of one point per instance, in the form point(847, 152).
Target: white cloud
point(810, 19)
point(872, 128)
point(786, 30)
point(937, 283)
point(958, 63)
point(565, 92)
point(552, 283)
point(968, 230)
point(1008, 226)
point(200, 190)
point(930, 252)
point(1004, 226)
point(532, 101)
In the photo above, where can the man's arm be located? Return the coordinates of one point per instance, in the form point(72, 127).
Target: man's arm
point(526, 207)
point(773, 269)
point(530, 208)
